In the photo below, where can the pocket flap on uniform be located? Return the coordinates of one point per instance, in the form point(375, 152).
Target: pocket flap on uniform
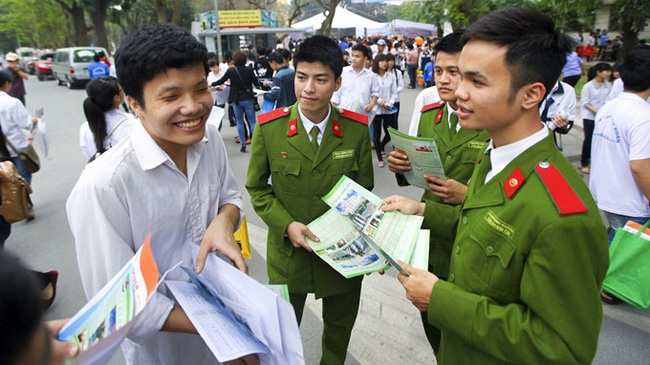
point(286, 167)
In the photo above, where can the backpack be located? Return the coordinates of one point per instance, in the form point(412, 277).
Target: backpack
point(107, 146)
point(14, 193)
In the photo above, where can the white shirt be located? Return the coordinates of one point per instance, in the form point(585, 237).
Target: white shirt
point(387, 92)
point(616, 90)
point(134, 189)
point(621, 135)
point(113, 116)
point(220, 96)
point(356, 90)
point(564, 101)
point(501, 156)
point(595, 95)
point(308, 124)
point(14, 119)
point(425, 97)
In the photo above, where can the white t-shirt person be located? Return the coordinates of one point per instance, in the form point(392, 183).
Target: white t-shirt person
point(621, 135)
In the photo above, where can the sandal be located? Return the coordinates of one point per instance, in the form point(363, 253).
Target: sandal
point(54, 277)
point(609, 298)
point(584, 169)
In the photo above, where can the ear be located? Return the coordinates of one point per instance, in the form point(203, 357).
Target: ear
point(135, 106)
point(338, 83)
point(533, 95)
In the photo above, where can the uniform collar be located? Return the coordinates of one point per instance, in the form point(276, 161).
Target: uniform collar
point(308, 124)
point(500, 157)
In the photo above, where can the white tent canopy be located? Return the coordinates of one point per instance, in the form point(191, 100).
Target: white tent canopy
point(342, 19)
point(411, 29)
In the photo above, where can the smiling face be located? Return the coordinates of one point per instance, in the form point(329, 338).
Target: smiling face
point(486, 99)
point(315, 83)
point(177, 104)
point(447, 76)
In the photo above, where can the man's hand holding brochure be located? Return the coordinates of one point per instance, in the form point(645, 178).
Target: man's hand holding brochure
point(357, 237)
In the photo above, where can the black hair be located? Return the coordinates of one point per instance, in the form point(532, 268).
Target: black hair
point(101, 93)
point(152, 50)
point(599, 67)
point(635, 70)
point(239, 58)
point(5, 77)
point(96, 57)
point(363, 49)
point(286, 54)
point(536, 50)
point(275, 57)
point(320, 48)
point(212, 62)
point(375, 63)
point(20, 308)
point(261, 51)
point(450, 43)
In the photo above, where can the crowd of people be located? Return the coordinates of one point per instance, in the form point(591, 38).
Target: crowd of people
point(500, 286)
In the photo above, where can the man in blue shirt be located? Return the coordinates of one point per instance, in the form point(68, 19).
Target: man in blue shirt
point(98, 69)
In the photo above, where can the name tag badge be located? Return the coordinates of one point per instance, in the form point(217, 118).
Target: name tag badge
point(338, 155)
point(476, 144)
point(503, 228)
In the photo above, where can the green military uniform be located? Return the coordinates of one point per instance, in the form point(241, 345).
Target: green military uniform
point(458, 152)
point(281, 150)
point(528, 261)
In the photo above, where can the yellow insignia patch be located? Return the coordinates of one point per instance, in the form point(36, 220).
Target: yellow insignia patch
point(476, 144)
point(499, 226)
point(338, 155)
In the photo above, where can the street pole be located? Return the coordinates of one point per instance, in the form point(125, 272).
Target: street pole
point(218, 30)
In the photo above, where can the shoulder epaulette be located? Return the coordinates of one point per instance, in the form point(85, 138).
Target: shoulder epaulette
point(357, 117)
point(565, 198)
point(272, 115)
point(428, 107)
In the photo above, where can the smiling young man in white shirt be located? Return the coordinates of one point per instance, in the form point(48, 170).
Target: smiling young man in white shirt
point(170, 177)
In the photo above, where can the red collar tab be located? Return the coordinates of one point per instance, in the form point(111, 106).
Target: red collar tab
point(293, 128)
point(272, 115)
point(336, 128)
point(439, 116)
point(357, 117)
point(428, 107)
point(514, 182)
point(565, 198)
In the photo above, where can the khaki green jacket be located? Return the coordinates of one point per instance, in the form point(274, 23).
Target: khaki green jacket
point(458, 155)
point(524, 280)
point(286, 181)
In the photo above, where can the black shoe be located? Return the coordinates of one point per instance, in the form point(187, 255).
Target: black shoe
point(243, 150)
point(609, 298)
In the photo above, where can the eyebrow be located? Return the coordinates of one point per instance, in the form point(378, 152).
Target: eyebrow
point(316, 75)
point(475, 74)
point(165, 89)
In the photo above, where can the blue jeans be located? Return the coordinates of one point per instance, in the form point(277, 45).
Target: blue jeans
point(22, 169)
point(616, 220)
point(411, 70)
point(241, 107)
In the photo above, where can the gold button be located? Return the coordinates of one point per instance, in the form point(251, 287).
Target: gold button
point(513, 182)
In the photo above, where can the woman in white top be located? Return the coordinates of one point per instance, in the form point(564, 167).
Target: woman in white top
point(593, 96)
point(384, 107)
point(106, 124)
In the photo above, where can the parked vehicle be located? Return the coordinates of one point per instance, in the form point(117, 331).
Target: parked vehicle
point(44, 66)
point(70, 66)
point(27, 59)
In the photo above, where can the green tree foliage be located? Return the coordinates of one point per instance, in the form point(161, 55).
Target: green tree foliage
point(632, 16)
point(32, 23)
point(569, 15)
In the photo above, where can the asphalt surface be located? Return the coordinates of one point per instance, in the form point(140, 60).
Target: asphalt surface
point(388, 329)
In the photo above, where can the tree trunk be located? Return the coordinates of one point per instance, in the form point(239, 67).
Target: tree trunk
point(98, 17)
point(630, 39)
point(80, 30)
point(326, 26)
point(161, 11)
point(178, 10)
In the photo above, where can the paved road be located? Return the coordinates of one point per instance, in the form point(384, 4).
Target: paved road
point(388, 329)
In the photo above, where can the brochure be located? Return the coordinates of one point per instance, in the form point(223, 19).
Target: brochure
point(237, 316)
point(101, 325)
point(423, 155)
point(365, 239)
